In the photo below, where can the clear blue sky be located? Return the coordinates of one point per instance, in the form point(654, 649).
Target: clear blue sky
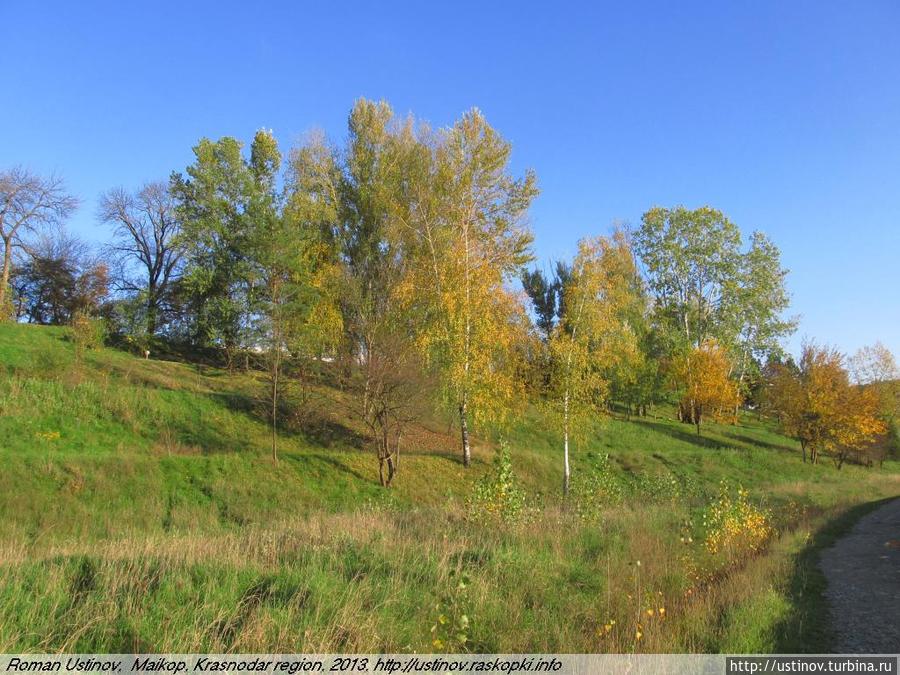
point(785, 115)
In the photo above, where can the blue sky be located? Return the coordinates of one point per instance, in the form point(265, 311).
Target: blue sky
point(785, 115)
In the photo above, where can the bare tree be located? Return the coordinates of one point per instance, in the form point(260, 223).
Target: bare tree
point(145, 231)
point(397, 396)
point(28, 203)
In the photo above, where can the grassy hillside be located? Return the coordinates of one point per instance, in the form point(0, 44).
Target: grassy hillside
point(142, 512)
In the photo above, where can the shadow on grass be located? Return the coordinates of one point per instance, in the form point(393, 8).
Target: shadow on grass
point(304, 421)
point(302, 464)
point(679, 435)
point(806, 629)
point(763, 444)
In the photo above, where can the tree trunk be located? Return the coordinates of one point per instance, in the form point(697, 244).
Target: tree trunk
point(7, 264)
point(464, 431)
point(467, 345)
point(695, 416)
point(566, 444)
point(152, 309)
point(275, 414)
point(391, 470)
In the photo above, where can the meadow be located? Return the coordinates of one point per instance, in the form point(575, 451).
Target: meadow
point(142, 512)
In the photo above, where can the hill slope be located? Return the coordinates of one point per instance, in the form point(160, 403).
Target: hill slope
point(143, 512)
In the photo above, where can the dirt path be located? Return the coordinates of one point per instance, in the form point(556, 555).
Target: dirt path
point(863, 573)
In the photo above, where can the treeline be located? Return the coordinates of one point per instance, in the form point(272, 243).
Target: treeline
point(401, 262)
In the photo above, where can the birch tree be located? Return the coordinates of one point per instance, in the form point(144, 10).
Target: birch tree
point(692, 259)
point(591, 335)
point(464, 215)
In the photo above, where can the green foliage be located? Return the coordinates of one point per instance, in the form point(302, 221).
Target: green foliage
point(452, 626)
point(157, 474)
point(705, 287)
point(223, 200)
point(595, 488)
point(87, 332)
point(498, 495)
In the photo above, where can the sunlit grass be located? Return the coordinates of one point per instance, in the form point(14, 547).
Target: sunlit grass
point(142, 512)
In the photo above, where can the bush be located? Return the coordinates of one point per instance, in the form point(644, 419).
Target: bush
point(498, 495)
point(86, 332)
point(594, 488)
point(735, 527)
point(451, 630)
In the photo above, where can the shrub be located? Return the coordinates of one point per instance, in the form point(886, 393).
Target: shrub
point(86, 332)
point(734, 526)
point(451, 630)
point(595, 488)
point(498, 495)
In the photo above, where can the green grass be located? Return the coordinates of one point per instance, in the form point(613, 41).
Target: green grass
point(143, 513)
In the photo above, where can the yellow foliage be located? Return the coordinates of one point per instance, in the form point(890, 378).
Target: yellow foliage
point(818, 405)
point(734, 526)
point(702, 375)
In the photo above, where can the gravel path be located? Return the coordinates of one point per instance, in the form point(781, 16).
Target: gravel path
point(863, 573)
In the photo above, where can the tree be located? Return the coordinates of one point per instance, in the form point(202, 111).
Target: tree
point(817, 405)
point(874, 365)
point(374, 268)
point(761, 300)
point(545, 293)
point(591, 336)
point(876, 368)
point(292, 313)
point(702, 378)
point(28, 203)
point(214, 205)
point(463, 224)
point(704, 287)
point(57, 280)
point(145, 236)
point(693, 261)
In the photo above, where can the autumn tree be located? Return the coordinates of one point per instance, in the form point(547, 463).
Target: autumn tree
point(591, 336)
point(704, 287)
point(146, 249)
point(875, 367)
point(292, 264)
point(817, 404)
point(462, 215)
point(701, 377)
point(28, 204)
point(359, 191)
